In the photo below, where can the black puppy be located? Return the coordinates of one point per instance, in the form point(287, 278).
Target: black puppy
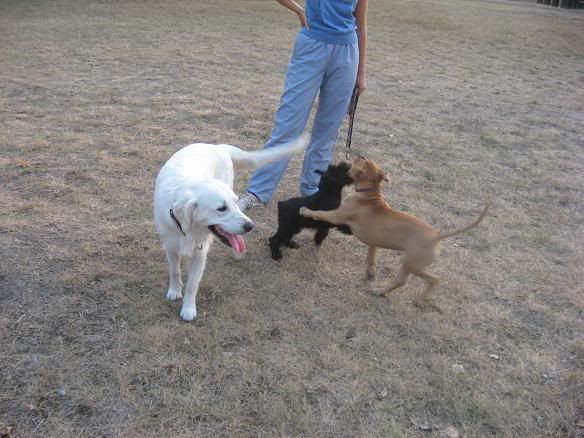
point(328, 197)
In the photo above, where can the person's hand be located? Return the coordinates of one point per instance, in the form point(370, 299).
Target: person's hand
point(361, 84)
point(303, 20)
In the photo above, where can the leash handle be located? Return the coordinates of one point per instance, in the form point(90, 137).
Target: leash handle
point(351, 112)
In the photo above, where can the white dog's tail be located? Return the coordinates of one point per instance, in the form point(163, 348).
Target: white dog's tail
point(251, 160)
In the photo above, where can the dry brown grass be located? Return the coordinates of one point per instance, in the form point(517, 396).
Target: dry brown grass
point(481, 98)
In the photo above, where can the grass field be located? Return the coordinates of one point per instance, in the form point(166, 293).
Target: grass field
point(466, 100)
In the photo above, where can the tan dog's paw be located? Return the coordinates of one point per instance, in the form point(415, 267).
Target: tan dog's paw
point(304, 212)
point(378, 292)
point(370, 274)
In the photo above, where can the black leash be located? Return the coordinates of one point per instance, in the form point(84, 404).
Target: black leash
point(351, 112)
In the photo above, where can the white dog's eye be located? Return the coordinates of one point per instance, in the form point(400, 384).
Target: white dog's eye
point(222, 209)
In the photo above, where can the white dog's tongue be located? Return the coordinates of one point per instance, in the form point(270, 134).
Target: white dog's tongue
point(236, 242)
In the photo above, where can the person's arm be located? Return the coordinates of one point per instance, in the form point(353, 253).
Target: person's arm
point(297, 9)
point(361, 18)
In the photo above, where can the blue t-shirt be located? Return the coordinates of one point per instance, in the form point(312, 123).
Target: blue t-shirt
point(331, 21)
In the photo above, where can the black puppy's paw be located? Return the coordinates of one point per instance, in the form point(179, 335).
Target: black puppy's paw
point(291, 244)
point(275, 247)
point(345, 229)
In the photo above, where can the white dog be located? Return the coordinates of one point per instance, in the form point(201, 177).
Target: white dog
point(194, 198)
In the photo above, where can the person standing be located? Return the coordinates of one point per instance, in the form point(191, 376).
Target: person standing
point(329, 58)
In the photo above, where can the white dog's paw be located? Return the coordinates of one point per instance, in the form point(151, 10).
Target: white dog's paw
point(173, 294)
point(188, 313)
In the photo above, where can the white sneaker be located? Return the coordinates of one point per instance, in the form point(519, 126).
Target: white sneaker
point(249, 200)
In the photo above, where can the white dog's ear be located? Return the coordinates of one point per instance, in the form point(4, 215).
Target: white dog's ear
point(183, 211)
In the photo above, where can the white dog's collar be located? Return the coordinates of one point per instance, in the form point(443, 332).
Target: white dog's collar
point(177, 222)
point(197, 244)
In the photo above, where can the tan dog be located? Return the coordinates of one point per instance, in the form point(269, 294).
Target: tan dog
point(376, 224)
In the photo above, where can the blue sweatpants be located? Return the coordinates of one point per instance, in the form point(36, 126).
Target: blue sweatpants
point(314, 66)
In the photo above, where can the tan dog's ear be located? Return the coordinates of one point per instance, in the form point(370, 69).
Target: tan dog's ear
point(383, 176)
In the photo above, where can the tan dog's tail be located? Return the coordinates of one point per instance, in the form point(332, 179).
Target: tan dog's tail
point(251, 160)
point(446, 234)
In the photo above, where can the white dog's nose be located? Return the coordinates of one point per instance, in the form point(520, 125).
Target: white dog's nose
point(248, 226)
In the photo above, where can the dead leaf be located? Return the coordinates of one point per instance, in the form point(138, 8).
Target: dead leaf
point(424, 425)
point(451, 432)
point(457, 368)
point(23, 164)
point(5, 431)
